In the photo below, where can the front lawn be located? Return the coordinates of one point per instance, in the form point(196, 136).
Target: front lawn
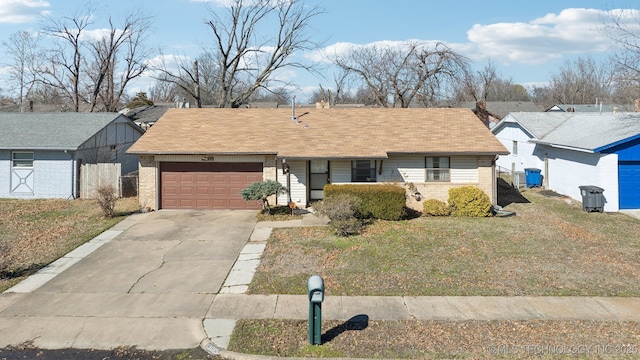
point(432, 339)
point(34, 233)
point(549, 248)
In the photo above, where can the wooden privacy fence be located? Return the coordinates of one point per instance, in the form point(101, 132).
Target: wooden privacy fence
point(93, 176)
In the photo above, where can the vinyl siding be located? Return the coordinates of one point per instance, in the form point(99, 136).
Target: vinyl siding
point(340, 171)
point(121, 135)
point(402, 168)
point(298, 182)
point(464, 170)
point(524, 159)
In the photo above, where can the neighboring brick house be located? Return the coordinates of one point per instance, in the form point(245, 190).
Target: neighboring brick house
point(202, 158)
point(41, 153)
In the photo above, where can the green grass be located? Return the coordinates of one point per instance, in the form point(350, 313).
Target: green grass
point(548, 248)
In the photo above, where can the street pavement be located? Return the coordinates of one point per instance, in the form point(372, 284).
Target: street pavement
point(177, 280)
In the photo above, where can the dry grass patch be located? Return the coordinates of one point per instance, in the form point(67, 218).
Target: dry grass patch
point(429, 339)
point(549, 248)
point(34, 233)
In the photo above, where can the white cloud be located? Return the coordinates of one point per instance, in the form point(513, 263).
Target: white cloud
point(22, 11)
point(572, 31)
point(171, 63)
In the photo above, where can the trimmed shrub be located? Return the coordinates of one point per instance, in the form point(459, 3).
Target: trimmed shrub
point(433, 207)
point(261, 190)
point(385, 202)
point(342, 210)
point(469, 201)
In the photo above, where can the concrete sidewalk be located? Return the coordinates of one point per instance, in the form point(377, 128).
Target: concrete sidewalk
point(453, 308)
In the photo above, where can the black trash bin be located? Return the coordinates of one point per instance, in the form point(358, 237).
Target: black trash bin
point(592, 198)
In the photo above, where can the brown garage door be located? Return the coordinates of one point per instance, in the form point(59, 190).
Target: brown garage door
point(207, 185)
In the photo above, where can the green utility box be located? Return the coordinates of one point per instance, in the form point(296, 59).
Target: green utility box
point(315, 290)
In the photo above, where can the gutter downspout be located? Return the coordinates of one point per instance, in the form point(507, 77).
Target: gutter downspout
point(74, 175)
point(545, 183)
point(286, 170)
point(494, 182)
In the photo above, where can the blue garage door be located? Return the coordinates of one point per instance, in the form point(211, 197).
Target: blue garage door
point(629, 182)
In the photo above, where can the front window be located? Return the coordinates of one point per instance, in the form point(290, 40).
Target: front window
point(514, 149)
point(22, 159)
point(438, 168)
point(363, 171)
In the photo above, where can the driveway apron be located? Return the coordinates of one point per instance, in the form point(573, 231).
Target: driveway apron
point(149, 287)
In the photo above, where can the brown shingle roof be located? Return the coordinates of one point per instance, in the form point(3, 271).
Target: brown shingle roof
point(318, 133)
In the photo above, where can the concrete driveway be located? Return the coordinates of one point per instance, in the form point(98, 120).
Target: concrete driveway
point(150, 286)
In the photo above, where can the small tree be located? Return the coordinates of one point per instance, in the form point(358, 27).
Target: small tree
point(139, 100)
point(260, 191)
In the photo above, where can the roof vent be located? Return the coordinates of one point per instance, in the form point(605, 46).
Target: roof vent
point(293, 108)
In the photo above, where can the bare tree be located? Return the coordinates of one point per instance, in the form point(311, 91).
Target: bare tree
point(63, 71)
point(94, 72)
point(622, 27)
point(163, 91)
point(119, 45)
point(278, 95)
point(488, 85)
point(582, 81)
point(195, 80)
point(339, 94)
point(22, 50)
point(247, 57)
point(396, 76)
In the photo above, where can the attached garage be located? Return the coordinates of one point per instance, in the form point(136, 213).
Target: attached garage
point(629, 184)
point(214, 185)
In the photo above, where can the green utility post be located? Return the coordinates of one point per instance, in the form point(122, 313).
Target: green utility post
point(315, 287)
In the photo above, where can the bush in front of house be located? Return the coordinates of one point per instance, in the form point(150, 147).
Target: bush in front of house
point(342, 211)
point(107, 195)
point(261, 190)
point(433, 207)
point(469, 201)
point(385, 202)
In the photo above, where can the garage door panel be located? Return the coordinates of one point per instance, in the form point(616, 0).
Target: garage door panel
point(202, 178)
point(207, 186)
point(629, 183)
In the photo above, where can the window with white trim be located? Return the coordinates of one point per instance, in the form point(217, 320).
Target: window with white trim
point(438, 169)
point(514, 148)
point(363, 171)
point(22, 159)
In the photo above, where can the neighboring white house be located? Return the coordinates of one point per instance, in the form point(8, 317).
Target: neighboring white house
point(574, 149)
point(41, 153)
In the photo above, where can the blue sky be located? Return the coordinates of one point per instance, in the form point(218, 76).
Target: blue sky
point(526, 40)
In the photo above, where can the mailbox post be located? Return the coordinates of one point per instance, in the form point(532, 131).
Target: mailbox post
point(315, 288)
